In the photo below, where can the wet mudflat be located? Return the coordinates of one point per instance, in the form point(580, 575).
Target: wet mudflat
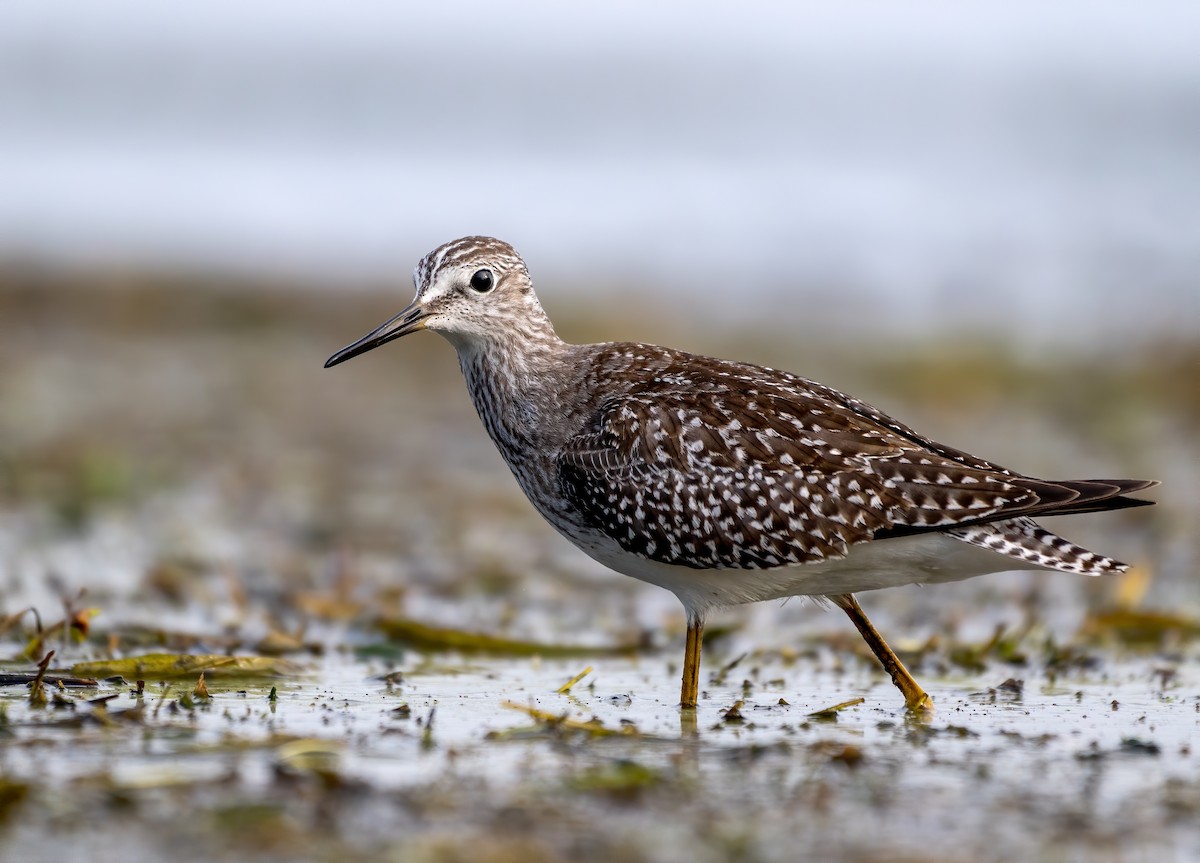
point(484, 760)
point(181, 479)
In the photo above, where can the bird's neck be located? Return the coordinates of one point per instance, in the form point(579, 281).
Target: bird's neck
point(516, 384)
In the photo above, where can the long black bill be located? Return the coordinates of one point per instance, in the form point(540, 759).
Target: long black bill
point(408, 321)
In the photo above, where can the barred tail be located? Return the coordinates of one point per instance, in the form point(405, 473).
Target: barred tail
point(1023, 539)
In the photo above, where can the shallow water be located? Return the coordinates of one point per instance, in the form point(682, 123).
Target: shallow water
point(1096, 766)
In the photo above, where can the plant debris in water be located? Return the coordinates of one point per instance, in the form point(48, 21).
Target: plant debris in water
point(428, 638)
point(166, 666)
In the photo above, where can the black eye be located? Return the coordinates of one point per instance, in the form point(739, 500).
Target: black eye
point(482, 281)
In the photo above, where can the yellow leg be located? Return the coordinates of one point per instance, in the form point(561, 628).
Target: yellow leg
point(915, 698)
point(691, 664)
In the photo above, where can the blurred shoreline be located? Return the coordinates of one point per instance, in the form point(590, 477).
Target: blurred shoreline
point(820, 313)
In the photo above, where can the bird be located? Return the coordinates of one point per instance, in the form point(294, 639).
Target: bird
point(727, 482)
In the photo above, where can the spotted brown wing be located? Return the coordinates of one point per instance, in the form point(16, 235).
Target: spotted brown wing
point(680, 471)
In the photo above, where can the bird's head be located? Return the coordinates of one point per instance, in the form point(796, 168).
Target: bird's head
point(472, 290)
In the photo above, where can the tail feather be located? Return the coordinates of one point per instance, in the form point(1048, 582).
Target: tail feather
point(1024, 540)
point(1095, 495)
point(1063, 497)
point(1106, 505)
point(1058, 497)
point(1129, 486)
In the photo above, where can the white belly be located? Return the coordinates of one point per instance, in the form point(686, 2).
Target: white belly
point(923, 559)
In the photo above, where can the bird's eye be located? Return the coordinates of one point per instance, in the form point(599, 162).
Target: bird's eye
point(482, 281)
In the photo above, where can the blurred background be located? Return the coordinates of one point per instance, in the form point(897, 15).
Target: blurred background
point(1005, 166)
point(982, 218)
